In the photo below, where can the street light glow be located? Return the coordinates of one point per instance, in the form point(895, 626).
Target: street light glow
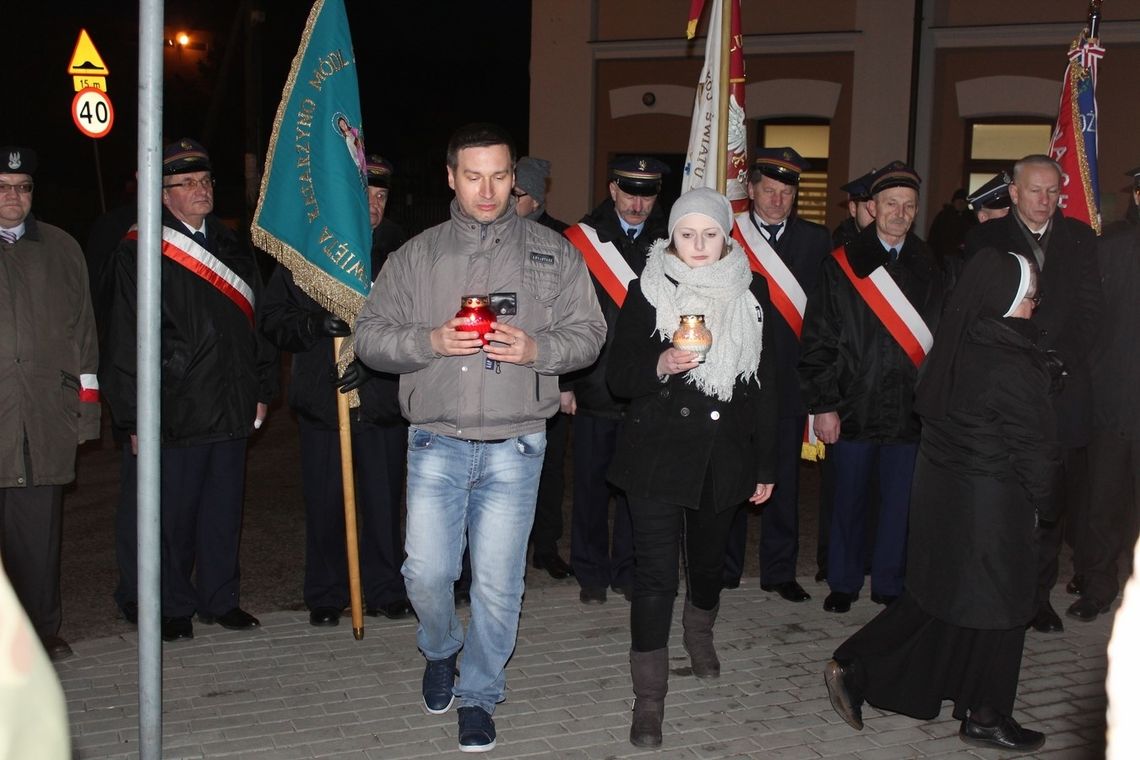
point(183, 39)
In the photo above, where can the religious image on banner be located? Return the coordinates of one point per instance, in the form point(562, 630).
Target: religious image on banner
point(1074, 141)
point(312, 214)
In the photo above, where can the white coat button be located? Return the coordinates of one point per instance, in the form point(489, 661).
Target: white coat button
point(715, 415)
point(684, 411)
point(464, 369)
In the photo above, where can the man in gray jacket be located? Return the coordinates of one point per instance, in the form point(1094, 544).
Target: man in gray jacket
point(477, 410)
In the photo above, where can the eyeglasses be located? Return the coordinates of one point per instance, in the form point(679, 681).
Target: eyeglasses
point(519, 193)
point(24, 188)
point(206, 183)
point(1034, 299)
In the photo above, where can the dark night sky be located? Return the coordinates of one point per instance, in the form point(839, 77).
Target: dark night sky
point(424, 68)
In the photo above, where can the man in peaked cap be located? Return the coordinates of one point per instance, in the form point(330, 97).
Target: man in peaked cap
point(614, 239)
point(949, 228)
point(294, 322)
point(858, 194)
point(219, 375)
point(48, 389)
point(991, 200)
point(1068, 318)
point(791, 251)
point(857, 378)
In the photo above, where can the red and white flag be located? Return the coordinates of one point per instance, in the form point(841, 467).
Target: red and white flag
point(705, 153)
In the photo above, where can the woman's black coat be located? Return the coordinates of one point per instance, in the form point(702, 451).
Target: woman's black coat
point(983, 473)
point(672, 433)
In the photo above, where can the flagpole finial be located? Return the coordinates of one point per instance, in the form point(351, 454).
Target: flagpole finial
point(1094, 19)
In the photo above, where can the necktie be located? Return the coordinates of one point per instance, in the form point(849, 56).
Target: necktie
point(1037, 236)
point(199, 238)
point(631, 234)
point(771, 230)
point(8, 237)
point(894, 254)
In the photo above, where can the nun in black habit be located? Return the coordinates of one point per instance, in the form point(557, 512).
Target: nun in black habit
point(983, 478)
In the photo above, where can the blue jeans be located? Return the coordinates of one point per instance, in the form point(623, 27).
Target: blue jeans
point(484, 494)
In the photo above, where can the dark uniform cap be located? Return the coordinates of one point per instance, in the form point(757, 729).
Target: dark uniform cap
point(895, 174)
point(1135, 175)
point(183, 157)
point(992, 195)
point(860, 188)
point(379, 170)
point(781, 164)
point(17, 160)
point(638, 175)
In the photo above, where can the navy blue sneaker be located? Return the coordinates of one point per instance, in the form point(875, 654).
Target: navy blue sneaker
point(476, 730)
point(439, 678)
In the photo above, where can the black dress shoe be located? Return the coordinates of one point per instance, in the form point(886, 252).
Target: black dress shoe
point(236, 619)
point(625, 589)
point(57, 649)
point(396, 610)
point(884, 599)
point(1076, 585)
point(790, 590)
point(176, 628)
point(838, 601)
point(821, 575)
point(592, 595)
point(848, 706)
point(130, 612)
point(1086, 608)
point(730, 583)
point(1005, 734)
point(324, 616)
point(554, 565)
point(1046, 620)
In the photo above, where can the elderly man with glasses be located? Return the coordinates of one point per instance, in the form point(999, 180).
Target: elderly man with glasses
point(218, 375)
point(48, 391)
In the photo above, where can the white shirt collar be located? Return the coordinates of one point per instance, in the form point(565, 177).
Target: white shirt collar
point(18, 230)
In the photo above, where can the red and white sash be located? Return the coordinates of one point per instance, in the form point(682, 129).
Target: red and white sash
point(184, 250)
point(885, 298)
point(787, 295)
point(603, 260)
point(89, 388)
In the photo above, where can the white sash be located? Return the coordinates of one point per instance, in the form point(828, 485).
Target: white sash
point(604, 261)
point(787, 294)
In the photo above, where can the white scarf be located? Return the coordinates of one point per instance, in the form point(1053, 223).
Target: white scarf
point(732, 314)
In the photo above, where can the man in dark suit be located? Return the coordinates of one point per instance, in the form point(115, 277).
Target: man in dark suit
point(617, 234)
point(800, 247)
point(1068, 318)
point(1114, 449)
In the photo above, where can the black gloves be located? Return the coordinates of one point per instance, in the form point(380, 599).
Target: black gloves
point(327, 325)
point(354, 376)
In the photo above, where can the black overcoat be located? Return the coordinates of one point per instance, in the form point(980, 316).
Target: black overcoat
point(982, 474)
point(1070, 311)
point(672, 434)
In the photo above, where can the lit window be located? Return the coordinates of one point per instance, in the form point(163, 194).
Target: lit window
point(994, 146)
point(811, 139)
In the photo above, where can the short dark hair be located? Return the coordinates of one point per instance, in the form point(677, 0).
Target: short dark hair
point(478, 135)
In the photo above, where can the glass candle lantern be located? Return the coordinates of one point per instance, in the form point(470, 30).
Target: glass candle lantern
point(475, 311)
point(692, 335)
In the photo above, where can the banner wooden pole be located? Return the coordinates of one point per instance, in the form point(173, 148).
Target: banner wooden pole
point(722, 116)
point(348, 480)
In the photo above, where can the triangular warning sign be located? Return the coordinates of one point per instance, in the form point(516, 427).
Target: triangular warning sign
point(86, 59)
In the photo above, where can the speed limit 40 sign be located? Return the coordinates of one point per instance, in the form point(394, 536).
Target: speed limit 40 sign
point(92, 112)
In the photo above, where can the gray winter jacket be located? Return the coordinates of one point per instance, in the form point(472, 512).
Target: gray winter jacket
point(420, 288)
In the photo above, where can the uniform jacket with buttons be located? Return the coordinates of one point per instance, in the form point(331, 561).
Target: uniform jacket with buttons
point(216, 366)
point(47, 341)
point(673, 437)
point(849, 363)
point(420, 288)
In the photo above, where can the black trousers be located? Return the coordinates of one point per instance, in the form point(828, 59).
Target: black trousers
point(1073, 484)
point(595, 563)
point(547, 529)
point(779, 516)
point(907, 661)
point(1113, 509)
point(31, 529)
point(379, 455)
point(658, 531)
point(126, 529)
point(202, 491)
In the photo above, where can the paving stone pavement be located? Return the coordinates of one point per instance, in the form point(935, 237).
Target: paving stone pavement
point(289, 690)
